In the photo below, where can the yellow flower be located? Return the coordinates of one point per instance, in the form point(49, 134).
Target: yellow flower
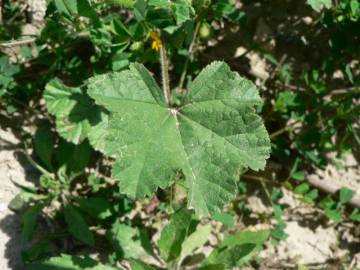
point(156, 43)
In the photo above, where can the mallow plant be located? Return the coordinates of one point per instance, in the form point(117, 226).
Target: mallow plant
point(154, 138)
point(207, 134)
point(199, 139)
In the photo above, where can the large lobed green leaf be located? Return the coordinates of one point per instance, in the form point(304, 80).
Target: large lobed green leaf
point(210, 137)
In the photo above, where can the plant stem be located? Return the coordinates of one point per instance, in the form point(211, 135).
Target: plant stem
point(283, 130)
point(165, 75)
point(17, 42)
point(330, 187)
point(33, 163)
point(190, 52)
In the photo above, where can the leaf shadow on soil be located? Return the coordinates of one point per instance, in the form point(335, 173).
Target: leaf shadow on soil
point(15, 172)
point(11, 226)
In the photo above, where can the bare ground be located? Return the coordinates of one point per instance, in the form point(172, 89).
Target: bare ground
point(14, 171)
point(10, 223)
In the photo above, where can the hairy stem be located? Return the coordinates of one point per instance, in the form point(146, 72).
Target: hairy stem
point(18, 42)
point(190, 56)
point(287, 128)
point(165, 75)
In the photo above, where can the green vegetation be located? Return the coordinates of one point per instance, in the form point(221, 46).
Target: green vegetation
point(146, 136)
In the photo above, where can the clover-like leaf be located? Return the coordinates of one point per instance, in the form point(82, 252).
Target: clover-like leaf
point(209, 138)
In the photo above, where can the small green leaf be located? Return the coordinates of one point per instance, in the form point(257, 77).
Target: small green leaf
point(120, 29)
point(182, 10)
point(333, 214)
point(85, 9)
point(77, 225)
point(300, 176)
point(173, 235)
point(67, 262)
point(73, 158)
point(318, 5)
point(126, 241)
point(23, 198)
point(223, 8)
point(160, 3)
point(26, 52)
point(355, 215)
point(302, 188)
point(96, 207)
point(124, 3)
point(195, 240)
point(327, 202)
point(349, 73)
point(278, 233)
point(244, 237)
point(238, 249)
point(159, 17)
point(29, 221)
point(230, 255)
point(345, 195)
point(224, 218)
point(120, 61)
point(44, 144)
point(7, 69)
point(140, 9)
point(311, 196)
point(355, 7)
point(67, 8)
point(288, 101)
point(95, 182)
point(139, 265)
